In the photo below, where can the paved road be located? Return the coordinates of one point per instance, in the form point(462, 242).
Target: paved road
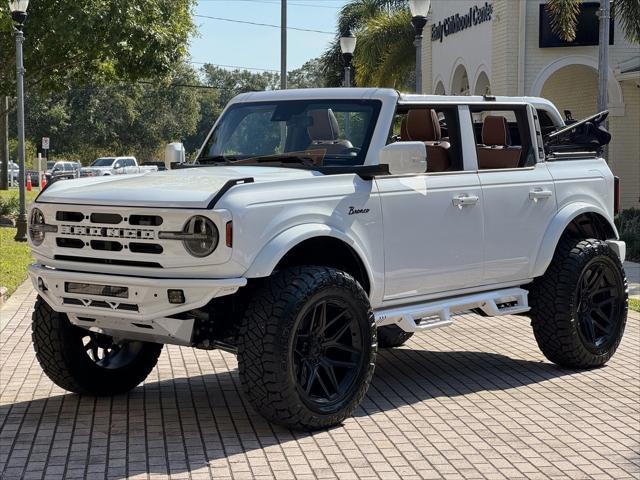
point(476, 400)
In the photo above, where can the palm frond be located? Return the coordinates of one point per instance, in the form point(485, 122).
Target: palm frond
point(385, 54)
point(564, 17)
point(627, 12)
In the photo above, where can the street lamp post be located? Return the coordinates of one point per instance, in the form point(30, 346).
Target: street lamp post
point(347, 46)
point(19, 15)
point(419, 11)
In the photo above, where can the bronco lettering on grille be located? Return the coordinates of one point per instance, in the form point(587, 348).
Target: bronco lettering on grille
point(108, 232)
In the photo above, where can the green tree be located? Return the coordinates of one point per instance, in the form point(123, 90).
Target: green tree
point(230, 83)
point(310, 75)
point(83, 41)
point(564, 17)
point(136, 118)
point(385, 54)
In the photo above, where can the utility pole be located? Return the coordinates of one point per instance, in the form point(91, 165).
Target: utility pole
point(603, 64)
point(4, 143)
point(603, 56)
point(283, 45)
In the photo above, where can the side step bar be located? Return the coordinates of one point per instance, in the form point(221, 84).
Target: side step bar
point(425, 316)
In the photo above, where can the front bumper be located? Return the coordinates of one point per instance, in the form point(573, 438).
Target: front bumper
point(141, 314)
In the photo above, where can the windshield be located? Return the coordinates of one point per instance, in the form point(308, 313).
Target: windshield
point(330, 132)
point(103, 162)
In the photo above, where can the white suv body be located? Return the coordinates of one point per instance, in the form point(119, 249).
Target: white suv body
point(423, 245)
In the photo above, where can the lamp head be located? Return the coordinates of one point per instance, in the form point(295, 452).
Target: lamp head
point(348, 43)
point(419, 8)
point(18, 10)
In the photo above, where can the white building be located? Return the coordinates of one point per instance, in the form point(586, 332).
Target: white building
point(506, 47)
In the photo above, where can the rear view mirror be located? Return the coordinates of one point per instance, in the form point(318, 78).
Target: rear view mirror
point(173, 155)
point(405, 158)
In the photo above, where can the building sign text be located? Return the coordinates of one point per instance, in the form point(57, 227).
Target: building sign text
point(458, 22)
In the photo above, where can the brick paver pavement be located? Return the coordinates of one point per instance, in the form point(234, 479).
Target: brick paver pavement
point(476, 400)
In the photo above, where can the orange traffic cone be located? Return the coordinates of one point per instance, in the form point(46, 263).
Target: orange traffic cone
point(43, 183)
point(28, 183)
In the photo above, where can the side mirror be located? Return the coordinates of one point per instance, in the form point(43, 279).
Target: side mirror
point(174, 154)
point(405, 158)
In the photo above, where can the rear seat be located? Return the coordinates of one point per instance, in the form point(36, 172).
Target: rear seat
point(496, 151)
point(423, 126)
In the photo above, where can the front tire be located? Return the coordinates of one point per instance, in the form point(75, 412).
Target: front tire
point(84, 362)
point(579, 306)
point(307, 347)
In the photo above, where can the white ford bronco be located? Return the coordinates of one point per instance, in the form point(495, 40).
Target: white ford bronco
point(317, 226)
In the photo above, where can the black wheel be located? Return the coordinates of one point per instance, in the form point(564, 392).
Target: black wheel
point(391, 336)
point(85, 362)
point(579, 307)
point(307, 347)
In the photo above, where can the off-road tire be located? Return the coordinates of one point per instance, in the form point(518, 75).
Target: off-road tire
point(556, 302)
point(64, 359)
point(266, 356)
point(391, 336)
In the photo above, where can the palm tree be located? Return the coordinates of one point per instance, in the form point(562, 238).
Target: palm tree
point(564, 17)
point(385, 55)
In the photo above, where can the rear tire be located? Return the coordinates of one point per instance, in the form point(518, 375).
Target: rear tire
point(391, 336)
point(307, 347)
point(84, 362)
point(579, 306)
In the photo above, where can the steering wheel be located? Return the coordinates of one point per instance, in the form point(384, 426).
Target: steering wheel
point(355, 150)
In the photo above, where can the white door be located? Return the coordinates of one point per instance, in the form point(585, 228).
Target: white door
point(432, 233)
point(518, 207)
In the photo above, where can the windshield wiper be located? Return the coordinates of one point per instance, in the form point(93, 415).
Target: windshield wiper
point(216, 160)
point(306, 160)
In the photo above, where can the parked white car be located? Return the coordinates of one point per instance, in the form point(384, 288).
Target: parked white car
point(115, 166)
point(319, 225)
point(13, 171)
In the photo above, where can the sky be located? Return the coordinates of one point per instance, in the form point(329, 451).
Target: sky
point(252, 46)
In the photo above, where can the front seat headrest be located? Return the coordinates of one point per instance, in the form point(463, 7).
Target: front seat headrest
point(324, 125)
point(495, 131)
point(423, 126)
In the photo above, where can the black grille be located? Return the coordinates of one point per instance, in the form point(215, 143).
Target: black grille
point(69, 216)
point(106, 218)
point(69, 243)
point(145, 220)
point(152, 248)
point(106, 245)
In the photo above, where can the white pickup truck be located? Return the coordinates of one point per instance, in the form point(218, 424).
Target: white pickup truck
point(319, 225)
point(115, 166)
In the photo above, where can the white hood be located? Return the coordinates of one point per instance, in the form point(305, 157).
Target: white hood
point(185, 188)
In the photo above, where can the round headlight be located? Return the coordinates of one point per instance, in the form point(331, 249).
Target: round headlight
point(203, 236)
point(36, 234)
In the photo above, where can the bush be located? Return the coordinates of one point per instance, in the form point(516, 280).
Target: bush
point(9, 206)
point(628, 223)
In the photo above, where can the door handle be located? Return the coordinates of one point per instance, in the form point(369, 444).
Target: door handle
point(465, 200)
point(539, 194)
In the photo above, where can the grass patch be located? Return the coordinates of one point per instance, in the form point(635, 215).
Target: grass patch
point(634, 304)
point(14, 259)
point(10, 203)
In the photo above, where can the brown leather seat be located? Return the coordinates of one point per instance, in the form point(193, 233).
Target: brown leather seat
point(496, 151)
point(404, 135)
point(423, 126)
point(324, 132)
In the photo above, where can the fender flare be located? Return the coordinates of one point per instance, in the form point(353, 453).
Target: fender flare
point(275, 250)
point(557, 227)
